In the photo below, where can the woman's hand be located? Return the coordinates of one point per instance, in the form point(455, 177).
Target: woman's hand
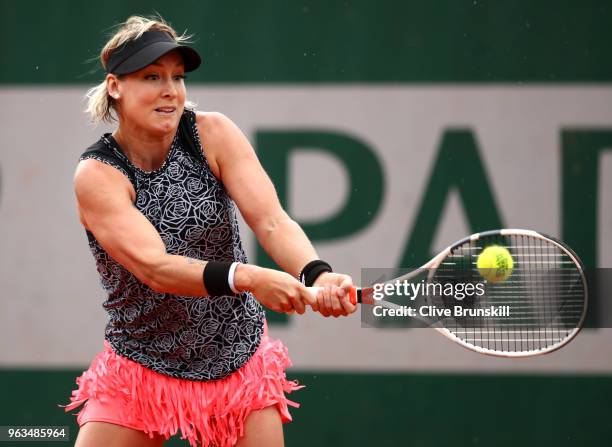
point(274, 289)
point(333, 298)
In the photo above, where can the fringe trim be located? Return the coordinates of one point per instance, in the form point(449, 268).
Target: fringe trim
point(208, 413)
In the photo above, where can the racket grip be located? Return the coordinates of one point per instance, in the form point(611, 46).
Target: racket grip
point(354, 294)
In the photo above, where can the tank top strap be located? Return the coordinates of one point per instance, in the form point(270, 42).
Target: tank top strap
point(188, 135)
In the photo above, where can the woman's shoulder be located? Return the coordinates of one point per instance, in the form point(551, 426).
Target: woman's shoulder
point(219, 136)
point(93, 176)
point(100, 166)
point(211, 121)
point(217, 130)
point(102, 153)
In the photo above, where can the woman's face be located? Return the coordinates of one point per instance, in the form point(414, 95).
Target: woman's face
point(152, 99)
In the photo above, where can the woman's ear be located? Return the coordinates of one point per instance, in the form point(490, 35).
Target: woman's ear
point(112, 86)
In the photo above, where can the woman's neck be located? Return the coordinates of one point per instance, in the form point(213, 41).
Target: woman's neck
point(144, 150)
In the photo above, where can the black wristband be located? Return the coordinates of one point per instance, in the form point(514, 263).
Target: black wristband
point(215, 278)
point(312, 270)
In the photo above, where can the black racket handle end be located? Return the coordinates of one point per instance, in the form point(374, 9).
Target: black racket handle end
point(355, 295)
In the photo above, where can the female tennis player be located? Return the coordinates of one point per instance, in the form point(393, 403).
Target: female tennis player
point(186, 347)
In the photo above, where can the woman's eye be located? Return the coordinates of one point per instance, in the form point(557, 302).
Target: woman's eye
point(179, 77)
point(152, 77)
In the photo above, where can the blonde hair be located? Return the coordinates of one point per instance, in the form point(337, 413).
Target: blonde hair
point(100, 105)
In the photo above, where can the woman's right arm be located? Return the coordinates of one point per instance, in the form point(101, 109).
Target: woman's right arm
point(104, 198)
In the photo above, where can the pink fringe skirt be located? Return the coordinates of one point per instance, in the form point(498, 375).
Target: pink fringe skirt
point(118, 390)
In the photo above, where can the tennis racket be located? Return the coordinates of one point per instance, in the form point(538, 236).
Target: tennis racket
point(545, 295)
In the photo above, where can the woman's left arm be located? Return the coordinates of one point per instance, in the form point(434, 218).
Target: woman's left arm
point(234, 162)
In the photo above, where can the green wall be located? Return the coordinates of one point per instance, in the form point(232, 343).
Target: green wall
point(469, 41)
point(426, 410)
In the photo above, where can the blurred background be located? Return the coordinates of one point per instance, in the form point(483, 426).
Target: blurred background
point(390, 130)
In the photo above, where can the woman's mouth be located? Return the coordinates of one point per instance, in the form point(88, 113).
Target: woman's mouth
point(166, 110)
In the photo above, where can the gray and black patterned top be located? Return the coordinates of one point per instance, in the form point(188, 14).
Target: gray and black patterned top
point(196, 338)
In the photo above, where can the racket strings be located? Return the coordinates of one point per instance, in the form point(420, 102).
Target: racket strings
point(544, 295)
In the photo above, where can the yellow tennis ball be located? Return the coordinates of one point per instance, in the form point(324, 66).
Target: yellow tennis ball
point(495, 263)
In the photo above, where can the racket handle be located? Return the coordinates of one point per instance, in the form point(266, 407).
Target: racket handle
point(354, 294)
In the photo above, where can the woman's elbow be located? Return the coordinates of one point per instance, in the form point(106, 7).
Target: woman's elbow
point(271, 224)
point(151, 274)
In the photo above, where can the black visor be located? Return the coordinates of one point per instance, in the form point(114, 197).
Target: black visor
point(137, 54)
